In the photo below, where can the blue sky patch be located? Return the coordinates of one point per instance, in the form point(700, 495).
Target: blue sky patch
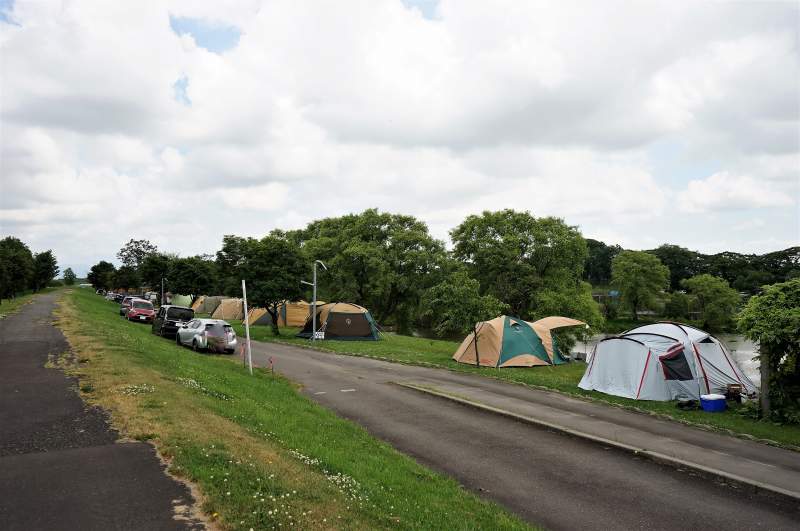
point(180, 87)
point(211, 35)
point(427, 7)
point(6, 6)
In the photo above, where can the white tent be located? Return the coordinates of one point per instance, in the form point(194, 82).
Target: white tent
point(662, 361)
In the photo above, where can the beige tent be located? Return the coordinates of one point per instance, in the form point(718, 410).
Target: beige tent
point(295, 313)
point(255, 314)
point(229, 309)
point(198, 303)
point(543, 328)
point(502, 342)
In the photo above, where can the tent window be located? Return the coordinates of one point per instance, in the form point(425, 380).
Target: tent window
point(675, 366)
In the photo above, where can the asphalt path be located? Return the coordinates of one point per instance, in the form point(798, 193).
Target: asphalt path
point(548, 478)
point(61, 466)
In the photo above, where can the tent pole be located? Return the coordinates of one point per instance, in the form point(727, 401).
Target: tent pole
point(477, 357)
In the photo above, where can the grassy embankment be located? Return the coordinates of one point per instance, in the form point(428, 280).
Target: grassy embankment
point(563, 378)
point(262, 455)
point(9, 306)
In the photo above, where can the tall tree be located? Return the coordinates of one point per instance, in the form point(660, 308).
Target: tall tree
point(228, 260)
point(682, 263)
point(514, 256)
point(273, 268)
point(45, 269)
point(101, 275)
point(18, 266)
point(133, 253)
point(716, 299)
point(455, 305)
point(379, 260)
point(126, 278)
point(639, 276)
point(597, 268)
point(772, 320)
point(69, 277)
point(192, 276)
point(155, 267)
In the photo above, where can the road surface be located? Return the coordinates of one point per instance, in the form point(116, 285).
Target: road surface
point(60, 467)
point(546, 477)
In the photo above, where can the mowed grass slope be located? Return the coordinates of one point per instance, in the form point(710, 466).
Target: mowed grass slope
point(262, 455)
point(562, 378)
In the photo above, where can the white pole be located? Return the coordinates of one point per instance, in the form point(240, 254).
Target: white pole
point(314, 308)
point(247, 327)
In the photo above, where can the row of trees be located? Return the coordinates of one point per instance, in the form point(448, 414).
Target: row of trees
point(744, 272)
point(501, 262)
point(22, 270)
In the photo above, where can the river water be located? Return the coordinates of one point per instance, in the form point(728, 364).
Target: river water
point(741, 349)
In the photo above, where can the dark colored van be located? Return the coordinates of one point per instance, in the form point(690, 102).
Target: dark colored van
point(169, 318)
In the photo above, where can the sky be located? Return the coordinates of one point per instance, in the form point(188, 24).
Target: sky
point(642, 123)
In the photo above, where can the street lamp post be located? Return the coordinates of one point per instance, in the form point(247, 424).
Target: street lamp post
point(314, 299)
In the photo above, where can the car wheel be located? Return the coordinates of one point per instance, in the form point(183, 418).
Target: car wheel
point(178, 340)
point(194, 346)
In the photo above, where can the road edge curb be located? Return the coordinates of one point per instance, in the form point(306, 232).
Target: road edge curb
point(656, 456)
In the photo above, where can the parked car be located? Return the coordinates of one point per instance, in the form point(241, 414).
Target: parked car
point(141, 310)
point(126, 304)
point(207, 334)
point(169, 318)
point(118, 297)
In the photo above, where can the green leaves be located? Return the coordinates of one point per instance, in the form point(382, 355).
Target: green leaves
point(455, 305)
point(716, 300)
point(639, 276)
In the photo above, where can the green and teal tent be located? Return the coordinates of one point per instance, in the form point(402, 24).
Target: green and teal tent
point(503, 342)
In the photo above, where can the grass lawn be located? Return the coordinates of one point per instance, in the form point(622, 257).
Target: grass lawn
point(262, 455)
point(563, 378)
point(9, 306)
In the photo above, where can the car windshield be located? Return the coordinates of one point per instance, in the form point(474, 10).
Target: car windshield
point(143, 304)
point(183, 314)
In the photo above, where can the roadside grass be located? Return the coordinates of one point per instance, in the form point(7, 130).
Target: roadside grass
point(262, 455)
point(562, 378)
point(10, 306)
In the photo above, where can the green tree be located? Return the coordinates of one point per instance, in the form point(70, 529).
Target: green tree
point(69, 277)
point(772, 320)
point(101, 275)
point(133, 253)
point(455, 305)
point(228, 260)
point(192, 276)
point(514, 256)
point(716, 300)
point(639, 277)
point(155, 267)
point(45, 269)
point(597, 268)
point(126, 278)
point(682, 263)
point(379, 260)
point(18, 267)
point(678, 306)
point(273, 268)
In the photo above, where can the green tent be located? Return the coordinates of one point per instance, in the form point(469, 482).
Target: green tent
point(503, 342)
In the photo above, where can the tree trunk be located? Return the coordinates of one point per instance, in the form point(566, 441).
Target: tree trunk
point(765, 375)
point(273, 313)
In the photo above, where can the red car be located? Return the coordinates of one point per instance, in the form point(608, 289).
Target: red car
point(140, 310)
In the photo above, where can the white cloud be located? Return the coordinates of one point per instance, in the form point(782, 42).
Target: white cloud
point(335, 107)
point(722, 191)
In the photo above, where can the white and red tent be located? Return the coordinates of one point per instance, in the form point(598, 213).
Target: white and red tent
point(662, 361)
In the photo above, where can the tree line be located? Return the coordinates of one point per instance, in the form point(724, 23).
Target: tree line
point(500, 262)
point(22, 270)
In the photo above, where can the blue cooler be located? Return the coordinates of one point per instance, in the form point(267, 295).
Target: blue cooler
point(713, 403)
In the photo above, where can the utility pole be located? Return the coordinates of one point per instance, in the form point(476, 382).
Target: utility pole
point(247, 327)
point(314, 299)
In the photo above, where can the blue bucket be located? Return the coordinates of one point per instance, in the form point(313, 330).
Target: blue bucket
point(713, 403)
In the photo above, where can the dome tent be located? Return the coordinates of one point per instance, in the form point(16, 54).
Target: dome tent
point(662, 361)
point(342, 320)
point(502, 342)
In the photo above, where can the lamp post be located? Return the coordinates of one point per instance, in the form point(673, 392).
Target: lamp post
point(314, 299)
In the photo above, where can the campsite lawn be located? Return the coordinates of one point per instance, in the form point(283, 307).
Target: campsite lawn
point(562, 378)
point(262, 455)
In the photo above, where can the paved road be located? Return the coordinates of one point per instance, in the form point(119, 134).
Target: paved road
point(60, 467)
point(546, 477)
